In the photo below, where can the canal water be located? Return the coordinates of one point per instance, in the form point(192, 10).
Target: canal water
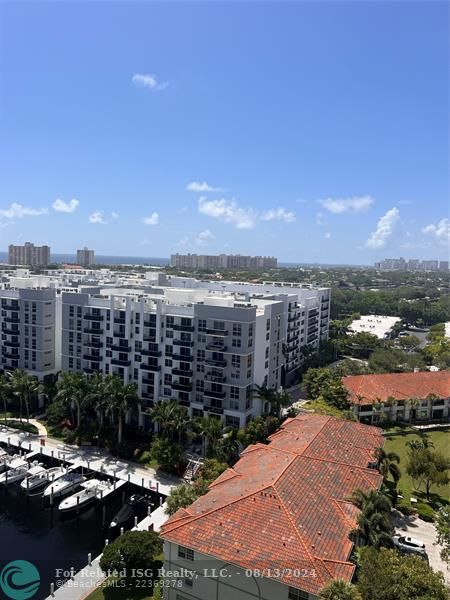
point(32, 530)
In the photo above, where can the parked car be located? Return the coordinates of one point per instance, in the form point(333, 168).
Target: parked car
point(409, 545)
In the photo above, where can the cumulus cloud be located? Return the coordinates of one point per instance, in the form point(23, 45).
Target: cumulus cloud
point(385, 228)
point(66, 207)
point(149, 82)
point(204, 237)
point(278, 214)
point(356, 204)
point(153, 219)
point(228, 211)
point(18, 211)
point(196, 186)
point(441, 230)
point(98, 217)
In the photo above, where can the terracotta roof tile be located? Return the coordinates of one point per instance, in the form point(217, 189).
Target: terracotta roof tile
point(285, 505)
point(369, 389)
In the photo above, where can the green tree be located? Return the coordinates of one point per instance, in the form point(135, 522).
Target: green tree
point(374, 526)
point(123, 398)
point(5, 391)
point(171, 419)
point(73, 390)
point(428, 467)
point(24, 387)
point(387, 463)
point(211, 430)
point(339, 589)
point(132, 551)
point(180, 496)
point(442, 524)
point(384, 574)
point(167, 454)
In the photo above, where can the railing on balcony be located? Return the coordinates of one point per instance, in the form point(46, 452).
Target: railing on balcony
point(9, 307)
point(214, 393)
point(216, 363)
point(155, 353)
point(11, 344)
point(91, 317)
point(119, 334)
point(93, 357)
point(217, 410)
point(91, 369)
point(120, 320)
point(149, 338)
point(217, 332)
point(93, 330)
point(119, 348)
point(11, 319)
point(93, 344)
point(215, 378)
point(11, 331)
point(147, 367)
point(182, 373)
point(186, 343)
point(183, 357)
point(120, 363)
point(216, 347)
point(10, 355)
point(183, 387)
point(179, 327)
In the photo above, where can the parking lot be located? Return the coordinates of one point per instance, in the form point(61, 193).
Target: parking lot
point(415, 527)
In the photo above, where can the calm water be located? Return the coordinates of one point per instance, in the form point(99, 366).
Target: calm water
point(31, 530)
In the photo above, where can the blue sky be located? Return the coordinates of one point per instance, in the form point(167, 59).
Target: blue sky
point(312, 131)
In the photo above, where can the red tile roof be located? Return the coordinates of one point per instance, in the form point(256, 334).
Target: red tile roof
point(369, 389)
point(285, 505)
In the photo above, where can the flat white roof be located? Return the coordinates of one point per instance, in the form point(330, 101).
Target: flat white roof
point(378, 325)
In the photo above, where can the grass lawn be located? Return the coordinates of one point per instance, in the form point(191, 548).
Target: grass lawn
point(322, 408)
point(119, 593)
point(23, 426)
point(396, 439)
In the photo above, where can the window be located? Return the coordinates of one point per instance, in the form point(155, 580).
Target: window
point(202, 324)
point(295, 594)
point(236, 343)
point(232, 421)
point(235, 360)
point(234, 392)
point(185, 553)
point(237, 329)
point(169, 321)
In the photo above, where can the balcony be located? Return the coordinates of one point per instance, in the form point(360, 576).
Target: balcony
point(11, 331)
point(91, 317)
point(149, 338)
point(186, 343)
point(182, 373)
point(93, 331)
point(215, 378)
point(150, 352)
point(120, 363)
point(187, 328)
point(183, 357)
point(150, 367)
point(119, 334)
point(11, 319)
point(217, 332)
point(93, 357)
point(150, 324)
point(216, 347)
point(183, 387)
point(216, 410)
point(184, 403)
point(9, 307)
point(119, 320)
point(216, 363)
point(92, 369)
point(10, 355)
point(214, 394)
point(12, 344)
point(148, 380)
point(292, 318)
point(119, 348)
point(93, 344)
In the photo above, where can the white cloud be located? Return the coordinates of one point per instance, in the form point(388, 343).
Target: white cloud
point(66, 207)
point(196, 186)
point(327, 235)
point(356, 204)
point(228, 211)
point(149, 82)
point(278, 214)
point(385, 228)
point(204, 237)
point(153, 219)
point(17, 211)
point(98, 217)
point(441, 231)
point(114, 215)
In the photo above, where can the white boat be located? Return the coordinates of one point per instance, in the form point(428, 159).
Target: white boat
point(18, 470)
point(6, 459)
point(87, 495)
point(37, 480)
point(65, 484)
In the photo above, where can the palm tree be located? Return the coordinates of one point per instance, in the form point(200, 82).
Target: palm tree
point(24, 386)
point(264, 393)
point(228, 447)
point(374, 526)
point(387, 463)
point(73, 390)
point(123, 398)
point(414, 403)
point(211, 430)
point(5, 390)
point(339, 589)
point(163, 414)
point(280, 400)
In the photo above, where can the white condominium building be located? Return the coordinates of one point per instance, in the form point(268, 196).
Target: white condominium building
point(29, 337)
point(204, 344)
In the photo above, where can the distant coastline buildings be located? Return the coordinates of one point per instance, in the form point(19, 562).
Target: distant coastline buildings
point(222, 261)
point(413, 264)
point(85, 257)
point(29, 255)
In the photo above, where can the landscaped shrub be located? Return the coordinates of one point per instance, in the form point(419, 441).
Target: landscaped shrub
point(405, 508)
point(425, 512)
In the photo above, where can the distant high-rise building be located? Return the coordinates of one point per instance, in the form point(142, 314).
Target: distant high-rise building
point(222, 261)
point(29, 254)
point(413, 264)
point(443, 265)
point(85, 257)
point(430, 265)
